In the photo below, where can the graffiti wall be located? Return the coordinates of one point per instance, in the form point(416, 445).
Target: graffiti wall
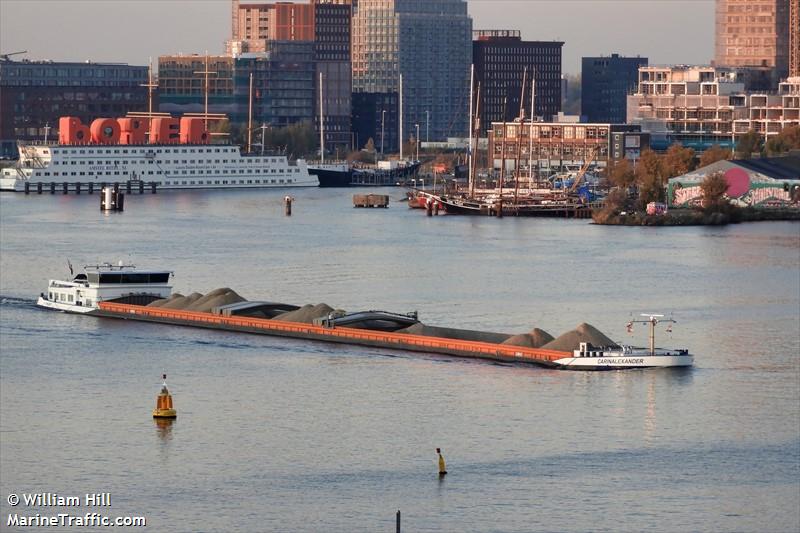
point(743, 190)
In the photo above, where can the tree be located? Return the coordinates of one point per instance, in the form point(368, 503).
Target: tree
point(788, 139)
point(649, 178)
point(621, 174)
point(748, 144)
point(714, 154)
point(714, 187)
point(678, 160)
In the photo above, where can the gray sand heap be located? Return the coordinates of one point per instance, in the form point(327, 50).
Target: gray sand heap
point(215, 298)
point(306, 314)
point(162, 301)
point(182, 302)
point(198, 302)
point(584, 333)
point(453, 333)
point(535, 339)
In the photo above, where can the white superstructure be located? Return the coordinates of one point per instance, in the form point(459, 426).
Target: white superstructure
point(105, 282)
point(588, 357)
point(169, 166)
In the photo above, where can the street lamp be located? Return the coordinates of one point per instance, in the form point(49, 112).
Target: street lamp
point(417, 140)
point(383, 116)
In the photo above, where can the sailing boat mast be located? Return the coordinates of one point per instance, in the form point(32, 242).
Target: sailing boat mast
point(150, 86)
point(530, 130)
point(517, 173)
point(249, 116)
point(401, 117)
point(471, 125)
point(205, 73)
point(321, 123)
point(503, 148)
point(476, 131)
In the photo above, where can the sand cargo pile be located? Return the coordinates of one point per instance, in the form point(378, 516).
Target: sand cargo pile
point(225, 309)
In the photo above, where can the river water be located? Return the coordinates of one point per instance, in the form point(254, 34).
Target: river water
point(289, 435)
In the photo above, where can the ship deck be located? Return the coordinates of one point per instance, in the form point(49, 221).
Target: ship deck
point(342, 335)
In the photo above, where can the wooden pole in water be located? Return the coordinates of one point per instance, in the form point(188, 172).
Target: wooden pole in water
point(398, 521)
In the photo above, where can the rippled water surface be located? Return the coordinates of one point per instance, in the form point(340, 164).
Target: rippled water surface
point(287, 435)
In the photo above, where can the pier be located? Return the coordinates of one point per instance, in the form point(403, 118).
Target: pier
point(77, 187)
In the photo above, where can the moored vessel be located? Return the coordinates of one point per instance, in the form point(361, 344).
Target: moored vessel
point(177, 155)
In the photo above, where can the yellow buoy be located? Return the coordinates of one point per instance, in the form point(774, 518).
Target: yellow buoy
point(442, 466)
point(164, 407)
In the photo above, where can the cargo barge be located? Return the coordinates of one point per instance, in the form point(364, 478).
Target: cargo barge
point(122, 292)
point(342, 335)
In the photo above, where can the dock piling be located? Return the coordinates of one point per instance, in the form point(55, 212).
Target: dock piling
point(39, 188)
point(398, 522)
point(287, 205)
point(91, 187)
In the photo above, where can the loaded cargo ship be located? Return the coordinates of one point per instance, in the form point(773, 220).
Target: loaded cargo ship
point(122, 291)
point(178, 155)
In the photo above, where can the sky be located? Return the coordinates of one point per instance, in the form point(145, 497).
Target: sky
point(132, 31)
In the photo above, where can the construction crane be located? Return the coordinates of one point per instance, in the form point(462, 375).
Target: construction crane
point(583, 170)
point(5, 57)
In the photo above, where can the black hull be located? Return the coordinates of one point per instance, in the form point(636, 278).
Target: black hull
point(332, 178)
point(476, 208)
point(365, 177)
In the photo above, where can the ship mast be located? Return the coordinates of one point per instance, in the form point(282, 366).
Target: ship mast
point(530, 130)
point(476, 129)
point(250, 116)
point(471, 126)
point(401, 117)
point(503, 149)
point(150, 86)
point(321, 123)
point(205, 73)
point(517, 173)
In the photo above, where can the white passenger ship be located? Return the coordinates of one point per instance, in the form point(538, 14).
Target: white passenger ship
point(106, 282)
point(169, 166)
point(588, 357)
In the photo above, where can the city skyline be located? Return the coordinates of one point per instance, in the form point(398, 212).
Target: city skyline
point(606, 27)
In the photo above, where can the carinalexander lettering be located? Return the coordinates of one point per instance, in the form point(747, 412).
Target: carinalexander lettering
point(616, 361)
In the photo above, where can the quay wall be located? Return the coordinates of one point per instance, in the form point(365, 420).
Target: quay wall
point(343, 335)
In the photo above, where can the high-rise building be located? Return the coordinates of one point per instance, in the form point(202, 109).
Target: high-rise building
point(605, 85)
point(429, 43)
point(754, 34)
point(34, 94)
point(702, 106)
point(500, 58)
point(283, 84)
point(332, 19)
point(254, 24)
point(260, 28)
